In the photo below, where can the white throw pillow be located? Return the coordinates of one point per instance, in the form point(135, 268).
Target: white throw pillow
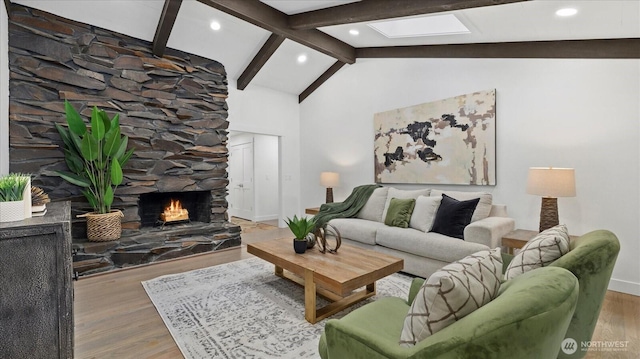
point(402, 194)
point(374, 207)
point(424, 213)
point(482, 209)
point(452, 293)
point(540, 251)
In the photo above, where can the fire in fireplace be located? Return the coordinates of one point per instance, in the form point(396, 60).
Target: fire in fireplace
point(174, 212)
point(160, 208)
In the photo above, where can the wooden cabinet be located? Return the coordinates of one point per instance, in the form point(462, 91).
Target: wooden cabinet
point(36, 292)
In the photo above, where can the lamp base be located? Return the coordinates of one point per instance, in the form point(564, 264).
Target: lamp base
point(548, 213)
point(329, 197)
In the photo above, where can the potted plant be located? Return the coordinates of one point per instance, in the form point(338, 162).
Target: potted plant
point(95, 157)
point(12, 197)
point(300, 227)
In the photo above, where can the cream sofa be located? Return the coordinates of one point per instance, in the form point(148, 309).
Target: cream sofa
point(424, 252)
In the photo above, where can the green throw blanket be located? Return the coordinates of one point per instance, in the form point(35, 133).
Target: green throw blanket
point(349, 208)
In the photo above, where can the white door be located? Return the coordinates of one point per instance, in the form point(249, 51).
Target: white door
point(241, 181)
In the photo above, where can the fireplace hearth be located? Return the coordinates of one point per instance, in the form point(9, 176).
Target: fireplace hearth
point(153, 244)
point(156, 239)
point(152, 239)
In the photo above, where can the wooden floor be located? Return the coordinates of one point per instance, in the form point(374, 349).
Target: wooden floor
point(114, 317)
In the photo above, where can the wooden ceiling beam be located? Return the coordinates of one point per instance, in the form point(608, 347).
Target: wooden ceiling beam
point(565, 49)
point(370, 10)
point(269, 47)
point(7, 5)
point(270, 19)
point(165, 25)
point(324, 77)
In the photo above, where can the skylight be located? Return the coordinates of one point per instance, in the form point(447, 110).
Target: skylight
point(447, 24)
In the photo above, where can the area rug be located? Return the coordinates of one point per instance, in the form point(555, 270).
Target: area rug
point(242, 310)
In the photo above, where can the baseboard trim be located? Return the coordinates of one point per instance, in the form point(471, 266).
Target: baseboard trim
point(624, 286)
point(265, 218)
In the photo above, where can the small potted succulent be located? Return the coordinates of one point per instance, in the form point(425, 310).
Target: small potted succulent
point(300, 227)
point(12, 197)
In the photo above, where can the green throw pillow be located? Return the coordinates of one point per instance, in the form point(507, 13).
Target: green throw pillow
point(399, 212)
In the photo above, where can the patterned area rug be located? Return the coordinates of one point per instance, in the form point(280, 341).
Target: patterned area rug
point(242, 310)
point(250, 227)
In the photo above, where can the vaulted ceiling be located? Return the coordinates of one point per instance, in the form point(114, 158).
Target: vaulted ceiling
point(259, 41)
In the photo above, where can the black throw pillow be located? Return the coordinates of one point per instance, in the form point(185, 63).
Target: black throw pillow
point(453, 216)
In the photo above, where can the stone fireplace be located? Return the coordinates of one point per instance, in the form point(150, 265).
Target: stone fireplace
point(173, 109)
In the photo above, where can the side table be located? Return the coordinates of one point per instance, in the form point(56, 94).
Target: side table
point(518, 238)
point(313, 210)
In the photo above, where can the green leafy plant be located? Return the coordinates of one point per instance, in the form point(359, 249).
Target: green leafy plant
point(300, 227)
point(12, 187)
point(94, 155)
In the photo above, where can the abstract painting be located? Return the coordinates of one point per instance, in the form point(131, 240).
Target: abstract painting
point(451, 141)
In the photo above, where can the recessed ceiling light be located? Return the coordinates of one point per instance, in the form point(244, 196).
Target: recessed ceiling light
point(568, 11)
point(354, 32)
point(302, 59)
point(215, 25)
point(433, 25)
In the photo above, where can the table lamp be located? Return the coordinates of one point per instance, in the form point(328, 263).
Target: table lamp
point(329, 180)
point(551, 183)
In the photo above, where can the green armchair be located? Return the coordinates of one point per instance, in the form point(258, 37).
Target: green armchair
point(591, 260)
point(528, 319)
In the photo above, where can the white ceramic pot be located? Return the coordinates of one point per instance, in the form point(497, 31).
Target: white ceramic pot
point(12, 211)
point(26, 196)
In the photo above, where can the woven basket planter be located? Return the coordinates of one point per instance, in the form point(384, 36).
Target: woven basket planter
point(104, 227)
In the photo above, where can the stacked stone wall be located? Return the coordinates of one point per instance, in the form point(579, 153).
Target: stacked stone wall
point(172, 108)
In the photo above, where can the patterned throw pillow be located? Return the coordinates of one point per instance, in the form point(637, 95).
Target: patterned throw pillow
point(451, 293)
point(541, 251)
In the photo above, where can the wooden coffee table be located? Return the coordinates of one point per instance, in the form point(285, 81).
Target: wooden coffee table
point(333, 276)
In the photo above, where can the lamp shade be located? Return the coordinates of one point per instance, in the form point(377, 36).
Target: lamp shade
point(551, 182)
point(329, 179)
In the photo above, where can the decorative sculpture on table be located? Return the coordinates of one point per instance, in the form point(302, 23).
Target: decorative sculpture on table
point(324, 235)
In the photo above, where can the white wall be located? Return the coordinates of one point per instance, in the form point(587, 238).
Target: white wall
point(4, 92)
point(264, 111)
point(563, 113)
point(265, 163)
